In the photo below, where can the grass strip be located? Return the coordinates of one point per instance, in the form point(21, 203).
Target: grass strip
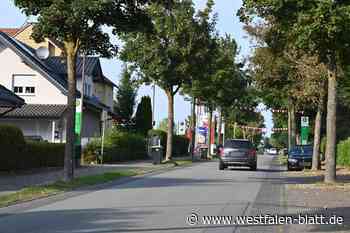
point(35, 192)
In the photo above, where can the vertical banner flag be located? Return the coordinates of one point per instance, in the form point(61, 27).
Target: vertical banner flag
point(78, 112)
point(304, 130)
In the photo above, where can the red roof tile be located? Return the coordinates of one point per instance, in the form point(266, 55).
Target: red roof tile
point(10, 31)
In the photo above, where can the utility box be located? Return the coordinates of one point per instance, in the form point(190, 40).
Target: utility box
point(156, 150)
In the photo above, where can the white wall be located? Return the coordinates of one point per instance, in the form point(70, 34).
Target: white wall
point(46, 92)
point(33, 127)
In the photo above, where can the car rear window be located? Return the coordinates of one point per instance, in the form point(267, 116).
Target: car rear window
point(237, 144)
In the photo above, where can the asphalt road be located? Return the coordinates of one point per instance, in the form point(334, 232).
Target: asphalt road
point(162, 202)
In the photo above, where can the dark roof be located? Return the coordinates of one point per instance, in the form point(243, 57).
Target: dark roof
point(37, 111)
point(28, 56)
point(60, 65)
point(8, 99)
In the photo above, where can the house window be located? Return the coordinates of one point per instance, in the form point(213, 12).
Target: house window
point(30, 90)
point(18, 90)
point(24, 84)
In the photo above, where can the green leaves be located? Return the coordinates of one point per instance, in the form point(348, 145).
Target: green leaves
point(126, 96)
point(81, 21)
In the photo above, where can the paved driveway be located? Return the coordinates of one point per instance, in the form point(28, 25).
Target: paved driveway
point(161, 203)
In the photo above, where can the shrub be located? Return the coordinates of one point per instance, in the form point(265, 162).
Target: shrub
point(180, 147)
point(180, 143)
point(343, 152)
point(91, 151)
point(42, 154)
point(12, 146)
point(18, 154)
point(143, 117)
point(123, 146)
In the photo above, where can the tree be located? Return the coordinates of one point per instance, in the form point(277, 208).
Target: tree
point(126, 96)
point(319, 28)
point(78, 25)
point(143, 118)
point(164, 55)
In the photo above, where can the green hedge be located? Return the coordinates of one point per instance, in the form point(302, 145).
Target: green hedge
point(180, 146)
point(343, 153)
point(118, 146)
point(17, 154)
point(12, 145)
point(180, 143)
point(121, 146)
point(91, 150)
point(43, 154)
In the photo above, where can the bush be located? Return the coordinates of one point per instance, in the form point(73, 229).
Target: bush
point(18, 154)
point(122, 146)
point(180, 146)
point(42, 154)
point(12, 146)
point(343, 153)
point(91, 151)
point(180, 143)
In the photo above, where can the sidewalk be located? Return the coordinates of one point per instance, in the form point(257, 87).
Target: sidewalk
point(10, 183)
point(306, 194)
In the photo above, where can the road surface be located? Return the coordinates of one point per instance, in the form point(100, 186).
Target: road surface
point(162, 203)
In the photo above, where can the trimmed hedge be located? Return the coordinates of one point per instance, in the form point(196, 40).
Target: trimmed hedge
point(180, 146)
point(12, 146)
point(43, 154)
point(17, 154)
point(121, 146)
point(343, 153)
point(118, 146)
point(180, 143)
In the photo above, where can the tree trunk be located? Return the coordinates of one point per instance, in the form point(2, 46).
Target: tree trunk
point(289, 130)
point(169, 149)
point(293, 126)
point(330, 175)
point(193, 127)
point(210, 125)
point(70, 112)
point(316, 165)
point(220, 140)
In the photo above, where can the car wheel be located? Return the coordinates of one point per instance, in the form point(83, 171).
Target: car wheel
point(221, 166)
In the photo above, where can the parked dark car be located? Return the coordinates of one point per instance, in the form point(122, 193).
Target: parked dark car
point(238, 152)
point(300, 157)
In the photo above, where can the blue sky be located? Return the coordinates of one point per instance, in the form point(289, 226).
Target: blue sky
point(228, 23)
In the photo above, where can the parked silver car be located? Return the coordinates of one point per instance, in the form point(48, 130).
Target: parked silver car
point(238, 152)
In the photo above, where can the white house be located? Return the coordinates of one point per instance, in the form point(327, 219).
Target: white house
point(42, 83)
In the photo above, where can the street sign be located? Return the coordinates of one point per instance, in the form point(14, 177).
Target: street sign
point(304, 130)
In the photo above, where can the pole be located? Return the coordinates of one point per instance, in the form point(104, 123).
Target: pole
point(234, 130)
point(79, 119)
point(153, 103)
point(103, 138)
point(193, 128)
